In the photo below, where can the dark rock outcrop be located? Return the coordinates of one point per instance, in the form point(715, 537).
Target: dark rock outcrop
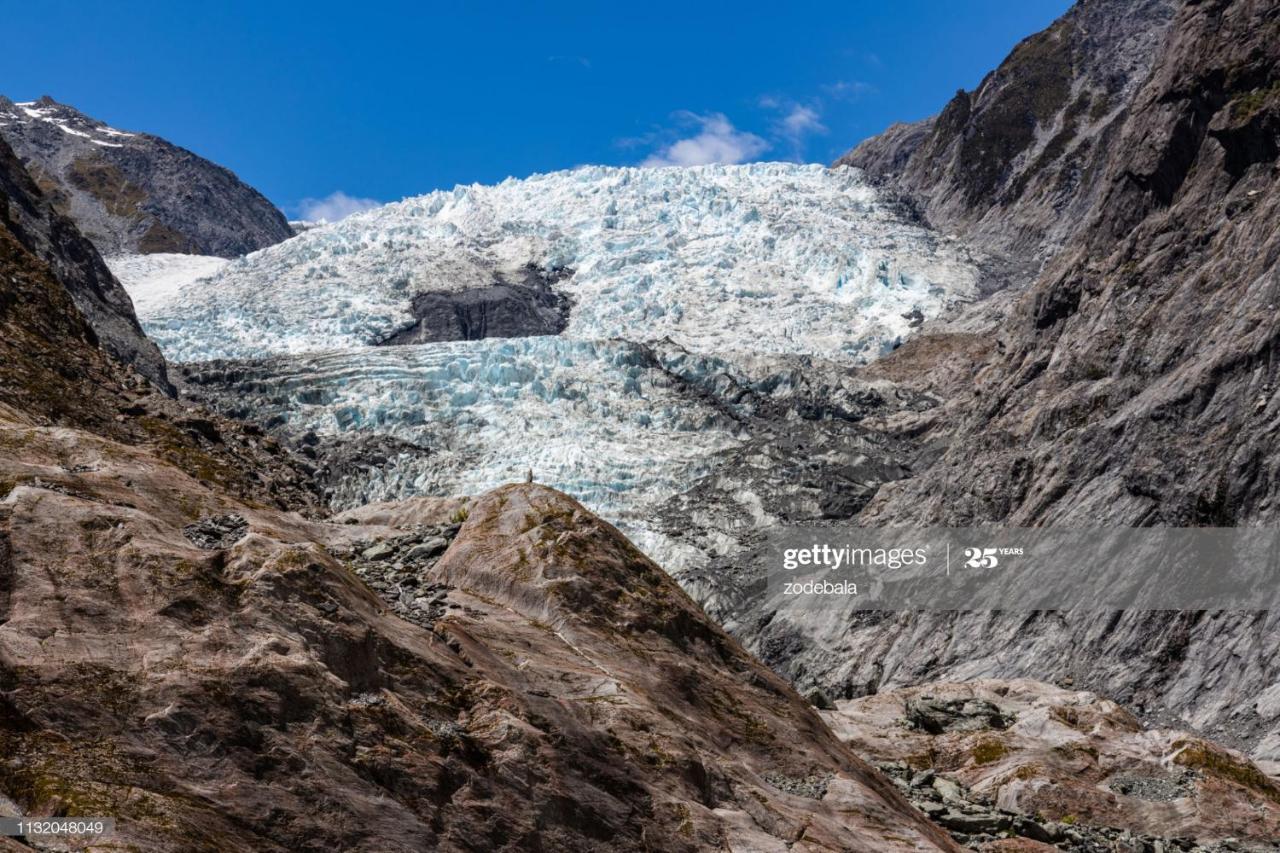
point(31, 221)
point(134, 192)
point(215, 532)
point(935, 716)
point(501, 310)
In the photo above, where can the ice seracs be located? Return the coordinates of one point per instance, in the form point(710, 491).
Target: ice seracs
point(770, 257)
point(600, 420)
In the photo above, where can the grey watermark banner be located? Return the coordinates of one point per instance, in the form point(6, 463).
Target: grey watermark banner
point(1003, 568)
point(74, 827)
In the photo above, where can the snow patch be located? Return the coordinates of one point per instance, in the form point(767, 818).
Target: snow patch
point(154, 279)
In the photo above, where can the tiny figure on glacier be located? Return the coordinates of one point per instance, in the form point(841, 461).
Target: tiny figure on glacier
point(528, 478)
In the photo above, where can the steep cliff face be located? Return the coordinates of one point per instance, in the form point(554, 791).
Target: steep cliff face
point(1137, 375)
point(50, 358)
point(1133, 383)
point(1015, 163)
point(136, 193)
point(60, 367)
point(30, 221)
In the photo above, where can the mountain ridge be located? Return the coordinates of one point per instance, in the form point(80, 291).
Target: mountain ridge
point(135, 192)
point(31, 220)
point(1012, 165)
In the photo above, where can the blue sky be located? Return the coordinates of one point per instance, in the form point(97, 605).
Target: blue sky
point(383, 100)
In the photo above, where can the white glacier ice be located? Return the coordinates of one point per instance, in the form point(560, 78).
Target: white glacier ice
point(600, 420)
point(767, 257)
point(155, 279)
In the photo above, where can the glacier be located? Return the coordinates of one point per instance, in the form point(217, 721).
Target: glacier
point(767, 257)
point(703, 302)
point(603, 421)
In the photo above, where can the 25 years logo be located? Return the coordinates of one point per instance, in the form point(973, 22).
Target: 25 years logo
point(981, 558)
point(988, 558)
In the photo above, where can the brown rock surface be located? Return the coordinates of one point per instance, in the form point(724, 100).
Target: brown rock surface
point(261, 697)
point(1069, 757)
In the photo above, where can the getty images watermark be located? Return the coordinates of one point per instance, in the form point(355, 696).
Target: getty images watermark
point(1024, 568)
point(846, 558)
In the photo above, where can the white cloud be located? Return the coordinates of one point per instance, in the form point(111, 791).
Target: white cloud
point(849, 90)
point(793, 123)
point(717, 141)
point(337, 205)
point(800, 122)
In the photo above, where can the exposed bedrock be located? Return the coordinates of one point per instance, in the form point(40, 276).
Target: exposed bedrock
point(504, 309)
point(1014, 164)
point(34, 223)
point(998, 759)
point(516, 675)
point(134, 192)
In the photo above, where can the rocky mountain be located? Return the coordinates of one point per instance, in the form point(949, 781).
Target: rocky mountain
point(134, 192)
point(189, 646)
point(1015, 165)
point(32, 222)
point(191, 641)
point(1131, 383)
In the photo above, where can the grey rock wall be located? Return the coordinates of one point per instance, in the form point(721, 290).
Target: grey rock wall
point(134, 193)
